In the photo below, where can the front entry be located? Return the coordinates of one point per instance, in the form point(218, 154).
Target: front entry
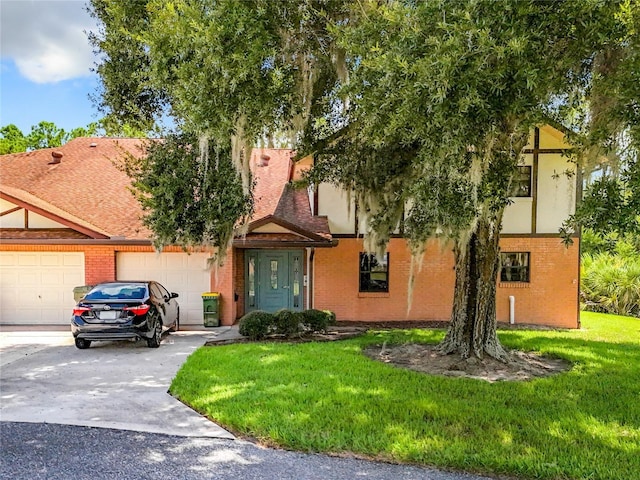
point(273, 280)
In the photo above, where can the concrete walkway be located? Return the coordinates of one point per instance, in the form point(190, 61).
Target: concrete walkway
point(121, 385)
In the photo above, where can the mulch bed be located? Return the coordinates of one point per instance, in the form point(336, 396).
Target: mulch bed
point(425, 358)
point(336, 333)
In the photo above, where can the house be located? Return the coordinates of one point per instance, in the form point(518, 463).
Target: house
point(67, 218)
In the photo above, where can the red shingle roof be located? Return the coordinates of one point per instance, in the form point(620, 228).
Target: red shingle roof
point(278, 202)
point(85, 188)
point(88, 192)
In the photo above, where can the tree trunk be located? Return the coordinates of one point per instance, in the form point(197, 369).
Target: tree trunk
point(472, 330)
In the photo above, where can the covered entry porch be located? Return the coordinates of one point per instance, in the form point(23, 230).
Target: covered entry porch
point(274, 280)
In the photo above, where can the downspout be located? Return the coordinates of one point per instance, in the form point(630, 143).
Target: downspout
point(512, 309)
point(579, 193)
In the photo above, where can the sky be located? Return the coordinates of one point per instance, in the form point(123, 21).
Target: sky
point(45, 69)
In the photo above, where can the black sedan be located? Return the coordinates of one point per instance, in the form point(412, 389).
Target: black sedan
point(125, 311)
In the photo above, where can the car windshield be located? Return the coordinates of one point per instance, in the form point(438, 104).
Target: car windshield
point(123, 291)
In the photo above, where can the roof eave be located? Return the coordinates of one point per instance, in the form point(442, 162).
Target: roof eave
point(56, 218)
point(285, 224)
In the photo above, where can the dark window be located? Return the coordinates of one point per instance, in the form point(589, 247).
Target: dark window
point(374, 273)
point(521, 183)
point(515, 267)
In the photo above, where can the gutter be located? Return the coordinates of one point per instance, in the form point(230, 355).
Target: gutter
point(73, 241)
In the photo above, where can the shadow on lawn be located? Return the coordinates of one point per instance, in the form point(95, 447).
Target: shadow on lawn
point(584, 423)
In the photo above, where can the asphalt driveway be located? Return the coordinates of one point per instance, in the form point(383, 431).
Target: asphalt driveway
point(121, 385)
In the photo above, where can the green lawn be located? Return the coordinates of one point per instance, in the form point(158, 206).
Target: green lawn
point(329, 397)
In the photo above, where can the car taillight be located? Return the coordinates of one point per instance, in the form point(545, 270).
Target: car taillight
point(78, 311)
point(138, 309)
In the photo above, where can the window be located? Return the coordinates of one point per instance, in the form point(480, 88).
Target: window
point(515, 267)
point(521, 183)
point(296, 281)
point(135, 291)
point(374, 273)
point(274, 274)
point(163, 291)
point(155, 291)
point(251, 274)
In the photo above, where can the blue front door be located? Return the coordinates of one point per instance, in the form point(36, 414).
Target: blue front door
point(273, 280)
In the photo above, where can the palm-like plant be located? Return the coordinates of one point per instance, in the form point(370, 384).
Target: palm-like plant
point(611, 281)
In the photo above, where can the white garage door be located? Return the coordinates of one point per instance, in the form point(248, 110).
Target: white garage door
point(187, 275)
point(37, 287)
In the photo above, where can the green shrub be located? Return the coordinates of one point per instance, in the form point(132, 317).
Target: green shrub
point(260, 324)
point(610, 282)
point(318, 320)
point(257, 324)
point(593, 243)
point(288, 323)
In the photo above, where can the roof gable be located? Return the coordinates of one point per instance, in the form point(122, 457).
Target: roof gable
point(85, 190)
point(279, 203)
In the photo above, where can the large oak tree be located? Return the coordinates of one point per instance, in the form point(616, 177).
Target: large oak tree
point(420, 108)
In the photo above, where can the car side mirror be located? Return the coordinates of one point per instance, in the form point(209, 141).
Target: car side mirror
point(174, 295)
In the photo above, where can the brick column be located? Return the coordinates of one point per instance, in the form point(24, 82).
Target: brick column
point(222, 279)
point(99, 265)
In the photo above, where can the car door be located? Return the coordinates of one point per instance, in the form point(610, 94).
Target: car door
point(169, 306)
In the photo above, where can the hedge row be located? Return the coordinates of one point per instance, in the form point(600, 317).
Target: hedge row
point(260, 324)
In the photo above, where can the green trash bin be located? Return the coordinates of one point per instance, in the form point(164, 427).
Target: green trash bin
point(211, 309)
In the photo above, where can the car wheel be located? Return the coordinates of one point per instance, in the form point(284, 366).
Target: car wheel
point(82, 344)
point(156, 325)
point(176, 326)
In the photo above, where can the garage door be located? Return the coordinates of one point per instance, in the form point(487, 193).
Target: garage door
point(187, 275)
point(37, 287)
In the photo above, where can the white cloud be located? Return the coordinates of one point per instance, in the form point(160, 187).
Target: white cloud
point(47, 39)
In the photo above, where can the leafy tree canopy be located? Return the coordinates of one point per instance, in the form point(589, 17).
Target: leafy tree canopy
point(49, 135)
point(12, 140)
point(610, 205)
point(186, 197)
point(42, 135)
point(425, 105)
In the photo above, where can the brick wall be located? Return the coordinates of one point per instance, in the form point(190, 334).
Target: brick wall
point(99, 265)
point(336, 284)
point(551, 297)
point(239, 281)
point(222, 281)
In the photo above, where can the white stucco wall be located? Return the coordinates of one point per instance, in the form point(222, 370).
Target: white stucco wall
point(517, 216)
point(334, 203)
point(271, 228)
point(11, 220)
point(556, 192)
point(16, 219)
point(38, 221)
point(552, 138)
